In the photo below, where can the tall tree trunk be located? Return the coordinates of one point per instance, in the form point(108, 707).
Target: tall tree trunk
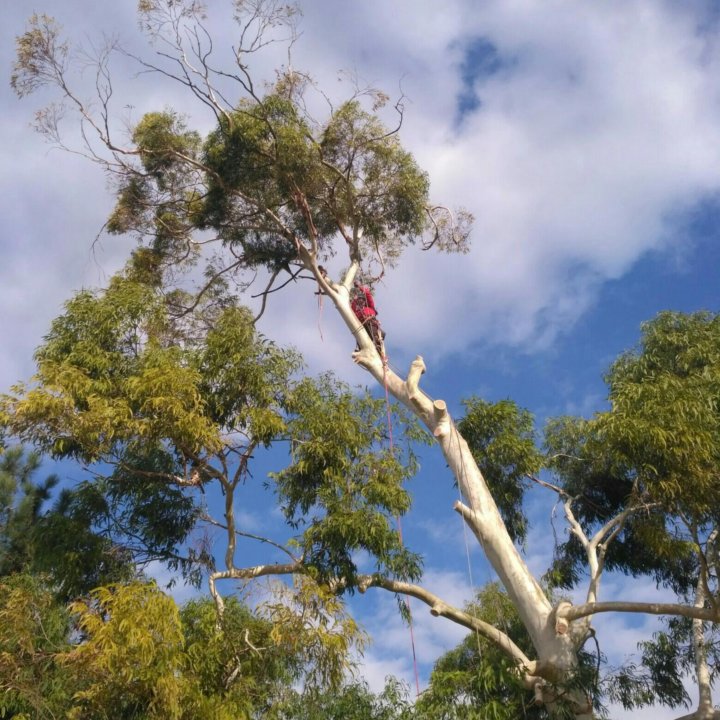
point(557, 651)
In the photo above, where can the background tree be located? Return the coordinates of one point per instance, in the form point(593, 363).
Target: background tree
point(128, 651)
point(59, 541)
point(279, 191)
point(35, 630)
point(354, 701)
point(644, 475)
point(175, 407)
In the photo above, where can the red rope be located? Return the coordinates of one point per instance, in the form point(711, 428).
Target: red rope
point(399, 529)
point(320, 309)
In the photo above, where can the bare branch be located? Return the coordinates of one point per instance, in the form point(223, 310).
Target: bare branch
point(439, 608)
point(575, 612)
point(250, 536)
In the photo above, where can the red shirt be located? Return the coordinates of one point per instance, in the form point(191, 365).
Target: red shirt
point(363, 305)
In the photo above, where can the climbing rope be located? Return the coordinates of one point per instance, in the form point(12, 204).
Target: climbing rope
point(320, 309)
point(399, 526)
point(387, 365)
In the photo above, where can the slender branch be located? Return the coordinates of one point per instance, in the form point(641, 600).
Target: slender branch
point(301, 201)
point(543, 483)
point(212, 521)
point(575, 526)
point(249, 573)
point(575, 612)
point(439, 608)
point(209, 284)
point(270, 289)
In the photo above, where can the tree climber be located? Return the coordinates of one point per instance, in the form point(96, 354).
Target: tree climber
point(325, 277)
point(363, 305)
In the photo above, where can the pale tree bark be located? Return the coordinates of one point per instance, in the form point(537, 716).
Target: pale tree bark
point(705, 705)
point(705, 709)
point(557, 649)
point(556, 633)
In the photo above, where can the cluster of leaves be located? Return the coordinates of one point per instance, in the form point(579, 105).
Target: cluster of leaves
point(61, 540)
point(126, 649)
point(657, 451)
point(35, 631)
point(158, 396)
point(657, 448)
point(269, 179)
point(169, 399)
point(502, 440)
point(665, 417)
point(665, 661)
point(354, 701)
point(156, 203)
point(129, 651)
point(344, 483)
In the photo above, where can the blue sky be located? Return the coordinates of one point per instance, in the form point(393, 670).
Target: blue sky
point(585, 138)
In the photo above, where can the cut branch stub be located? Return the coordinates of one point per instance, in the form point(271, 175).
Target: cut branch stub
point(562, 624)
point(442, 419)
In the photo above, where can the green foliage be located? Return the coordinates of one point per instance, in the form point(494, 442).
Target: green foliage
point(272, 182)
point(604, 483)
point(352, 702)
point(160, 138)
point(244, 376)
point(269, 168)
point(128, 651)
point(665, 417)
point(501, 438)
point(475, 680)
point(656, 449)
point(384, 191)
point(158, 200)
point(21, 502)
point(39, 54)
point(56, 541)
point(110, 374)
point(131, 655)
point(344, 485)
point(666, 660)
point(658, 446)
point(117, 371)
point(34, 633)
point(159, 396)
point(237, 663)
point(147, 518)
point(311, 624)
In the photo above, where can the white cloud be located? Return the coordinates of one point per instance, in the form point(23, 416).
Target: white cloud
point(169, 582)
point(600, 129)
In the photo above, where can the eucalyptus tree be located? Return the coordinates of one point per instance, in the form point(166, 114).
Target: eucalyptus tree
point(644, 477)
point(278, 192)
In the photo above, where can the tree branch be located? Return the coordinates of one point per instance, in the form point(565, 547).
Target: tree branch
point(208, 519)
point(439, 608)
point(575, 612)
point(249, 573)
